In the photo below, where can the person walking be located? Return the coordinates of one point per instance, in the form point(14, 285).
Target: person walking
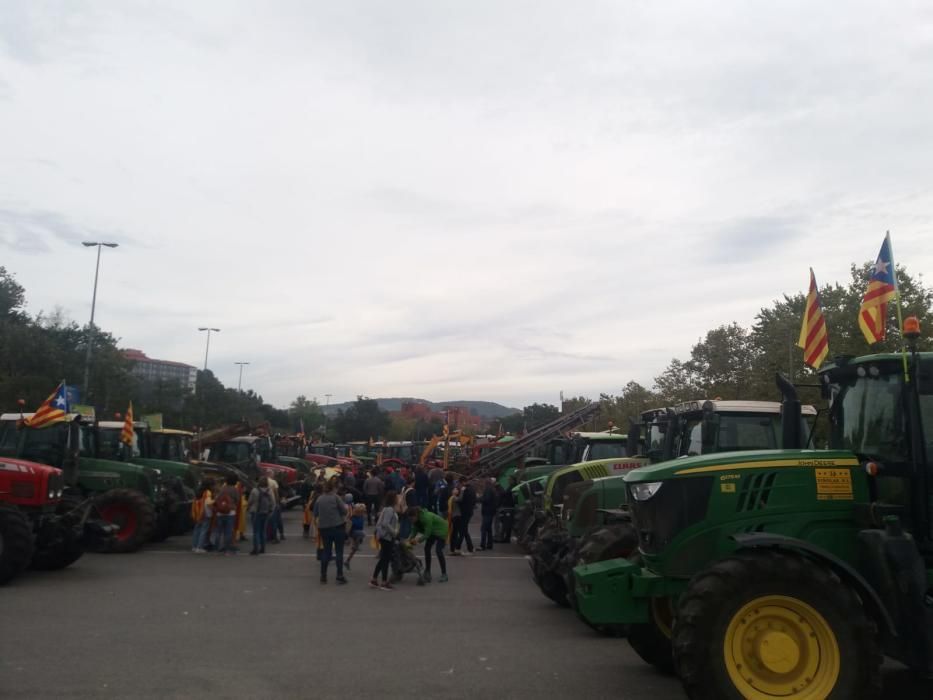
point(357, 534)
point(272, 526)
point(330, 514)
point(454, 519)
point(373, 490)
point(489, 504)
point(225, 515)
point(386, 533)
point(201, 513)
point(433, 529)
point(259, 506)
point(467, 506)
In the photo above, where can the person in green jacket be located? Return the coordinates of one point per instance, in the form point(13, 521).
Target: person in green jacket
point(433, 529)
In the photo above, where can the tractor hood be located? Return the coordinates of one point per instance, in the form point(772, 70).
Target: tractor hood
point(734, 461)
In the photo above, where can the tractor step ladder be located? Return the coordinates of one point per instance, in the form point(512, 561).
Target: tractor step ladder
point(495, 459)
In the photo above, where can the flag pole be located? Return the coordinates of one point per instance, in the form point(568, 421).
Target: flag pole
point(900, 319)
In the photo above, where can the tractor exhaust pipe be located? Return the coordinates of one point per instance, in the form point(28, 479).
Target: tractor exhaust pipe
point(791, 434)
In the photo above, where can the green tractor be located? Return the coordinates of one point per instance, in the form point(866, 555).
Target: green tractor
point(594, 523)
point(532, 488)
point(162, 450)
point(788, 573)
point(128, 495)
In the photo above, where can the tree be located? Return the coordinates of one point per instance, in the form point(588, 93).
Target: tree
point(307, 412)
point(362, 420)
point(12, 294)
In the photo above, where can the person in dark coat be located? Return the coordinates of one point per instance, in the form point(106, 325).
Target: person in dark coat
point(422, 487)
point(489, 504)
point(467, 507)
point(507, 511)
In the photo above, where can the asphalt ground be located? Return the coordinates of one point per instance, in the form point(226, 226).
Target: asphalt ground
point(166, 623)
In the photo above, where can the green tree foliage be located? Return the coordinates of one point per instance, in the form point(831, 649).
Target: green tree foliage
point(309, 413)
point(12, 294)
point(361, 421)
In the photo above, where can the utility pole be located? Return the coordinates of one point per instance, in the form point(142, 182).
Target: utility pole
point(90, 328)
point(239, 383)
point(208, 348)
point(326, 404)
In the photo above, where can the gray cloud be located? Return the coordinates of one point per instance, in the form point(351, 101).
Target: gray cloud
point(485, 199)
point(30, 231)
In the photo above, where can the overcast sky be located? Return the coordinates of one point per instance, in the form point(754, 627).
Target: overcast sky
point(471, 200)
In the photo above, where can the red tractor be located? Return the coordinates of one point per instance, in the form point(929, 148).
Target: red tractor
point(38, 526)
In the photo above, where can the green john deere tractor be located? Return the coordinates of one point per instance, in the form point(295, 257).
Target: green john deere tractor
point(125, 494)
point(594, 523)
point(788, 573)
point(159, 451)
point(535, 484)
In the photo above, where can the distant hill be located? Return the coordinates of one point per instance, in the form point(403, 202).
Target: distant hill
point(486, 409)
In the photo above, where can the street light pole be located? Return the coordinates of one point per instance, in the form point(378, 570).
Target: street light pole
point(239, 383)
point(90, 329)
point(326, 404)
point(208, 348)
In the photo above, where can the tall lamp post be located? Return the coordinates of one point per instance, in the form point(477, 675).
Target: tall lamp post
point(326, 404)
point(208, 348)
point(90, 329)
point(239, 383)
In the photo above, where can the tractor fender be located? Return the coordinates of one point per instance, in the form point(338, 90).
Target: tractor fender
point(845, 571)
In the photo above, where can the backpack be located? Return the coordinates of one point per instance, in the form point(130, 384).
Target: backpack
point(401, 502)
point(265, 502)
point(224, 504)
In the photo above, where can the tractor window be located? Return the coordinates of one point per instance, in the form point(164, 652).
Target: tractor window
point(606, 450)
point(868, 420)
point(45, 445)
point(748, 432)
point(230, 452)
point(562, 482)
point(693, 443)
point(9, 438)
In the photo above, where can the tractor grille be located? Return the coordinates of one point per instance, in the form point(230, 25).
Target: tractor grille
point(23, 489)
point(677, 505)
point(755, 490)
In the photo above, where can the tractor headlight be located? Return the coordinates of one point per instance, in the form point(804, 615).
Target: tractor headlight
point(646, 490)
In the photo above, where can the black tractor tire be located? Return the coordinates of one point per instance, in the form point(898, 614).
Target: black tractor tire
point(16, 542)
point(67, 550)
point(784, 583)
point(546, 554)
point(165, 517)
point(601, 544)
point(133, 512)
point(652, 640)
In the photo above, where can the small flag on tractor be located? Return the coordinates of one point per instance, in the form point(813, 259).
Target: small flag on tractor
point(52, 410)
point(814, 338)
point(882, 288)
point(127, 434)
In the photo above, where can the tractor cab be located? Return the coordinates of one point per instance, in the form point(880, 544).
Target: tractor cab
point(888, 424)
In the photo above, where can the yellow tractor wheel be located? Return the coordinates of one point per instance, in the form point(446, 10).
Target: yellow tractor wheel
point(767, 625)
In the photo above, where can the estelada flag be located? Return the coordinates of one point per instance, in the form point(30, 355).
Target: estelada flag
point(814, 338)
point(882, 288)
point(52, 410)
point(127, 434)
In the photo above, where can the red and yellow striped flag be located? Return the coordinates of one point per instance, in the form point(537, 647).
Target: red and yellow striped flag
point(814, 339)
point(127, 434)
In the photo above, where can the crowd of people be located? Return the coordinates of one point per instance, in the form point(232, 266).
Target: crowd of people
point(405, 507)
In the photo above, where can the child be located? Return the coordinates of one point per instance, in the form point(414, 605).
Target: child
point(357, 523)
